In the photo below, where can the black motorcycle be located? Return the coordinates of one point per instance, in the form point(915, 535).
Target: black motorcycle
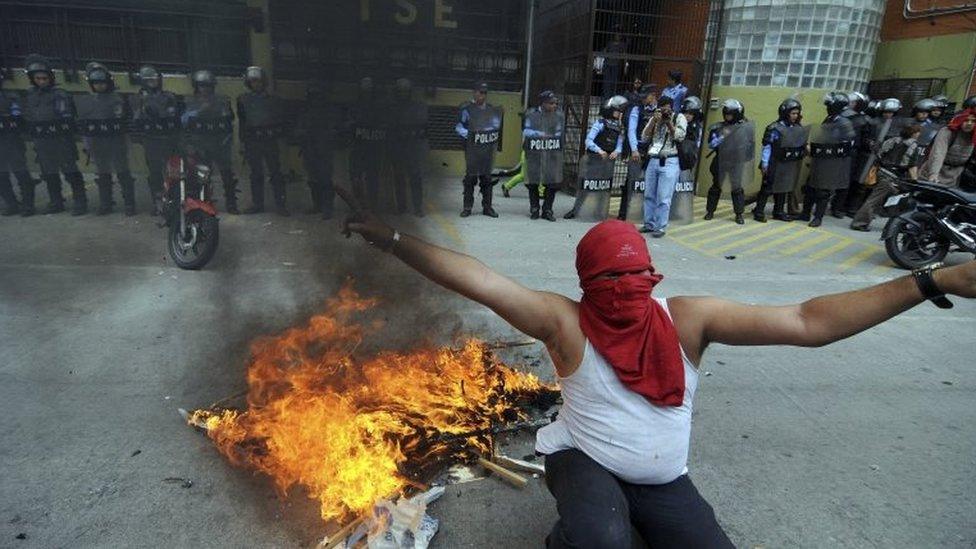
point(927, 222)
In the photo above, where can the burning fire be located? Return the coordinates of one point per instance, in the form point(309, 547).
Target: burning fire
point(353, 430)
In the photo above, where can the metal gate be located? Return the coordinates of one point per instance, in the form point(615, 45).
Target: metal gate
point(587, 50)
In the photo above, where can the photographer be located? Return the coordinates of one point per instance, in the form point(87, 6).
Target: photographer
point(663, 133)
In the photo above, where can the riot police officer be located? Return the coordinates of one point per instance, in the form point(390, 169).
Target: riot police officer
point(103, 118)
point(479, 124)
point(728, 166)
point(831, 147)
point(604, 144)
point(209, 123)
point(369, 136)
point(543, 144)
point(156, 116)
point(259, 121)
point(408, 147)
point(784, 146)
point(635, 151)
point(319, 130)
point(13, 159)
point(49, 114)
point(940, 110)
point(847, 201)
point(922, 115)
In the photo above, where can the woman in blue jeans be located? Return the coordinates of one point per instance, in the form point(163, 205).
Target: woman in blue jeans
point(663, 133)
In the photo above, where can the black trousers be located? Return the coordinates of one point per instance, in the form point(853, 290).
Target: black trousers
point(260, 154)
point(484, 183)
point(158, 151)
point(598, 510)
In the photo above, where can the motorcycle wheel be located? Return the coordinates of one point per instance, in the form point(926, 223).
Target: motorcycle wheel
point(911, 247)
point(197, 247)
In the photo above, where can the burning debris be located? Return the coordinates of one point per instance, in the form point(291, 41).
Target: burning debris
point(354, 430)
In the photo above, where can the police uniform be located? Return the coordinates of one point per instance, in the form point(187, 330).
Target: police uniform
point(49, 115)
point(209, 123)
point(103, 119)
point(13, 159)
point(156, 116)
point(733, 143)
point(319, 130)
point(260, 120)
point(408, 152)
point(784, 147)
point(369, 147)
point(831, 150)
point(480, 127)
point(543, 145)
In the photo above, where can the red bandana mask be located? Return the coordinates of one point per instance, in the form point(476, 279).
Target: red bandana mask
point(624, 324)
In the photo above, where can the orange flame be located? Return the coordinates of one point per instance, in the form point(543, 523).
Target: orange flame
point(352, 431)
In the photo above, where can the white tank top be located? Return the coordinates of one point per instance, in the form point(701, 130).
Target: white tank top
point(621, 430)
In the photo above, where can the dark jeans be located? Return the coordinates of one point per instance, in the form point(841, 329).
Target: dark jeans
point(597, 510)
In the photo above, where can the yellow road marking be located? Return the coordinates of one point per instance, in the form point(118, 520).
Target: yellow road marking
point(830, 250)
point(807, 244)
point(781, 240)
point(859, 257)
point(703, 229)
point(445, 224)
point(752, 238)
point(732, 233)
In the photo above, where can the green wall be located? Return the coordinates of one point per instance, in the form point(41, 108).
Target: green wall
point(762, 107)
point(949, 56)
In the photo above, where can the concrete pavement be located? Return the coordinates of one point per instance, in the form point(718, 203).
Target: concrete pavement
point(867, 443)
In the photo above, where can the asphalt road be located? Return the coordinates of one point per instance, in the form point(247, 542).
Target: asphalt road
point(870, 442)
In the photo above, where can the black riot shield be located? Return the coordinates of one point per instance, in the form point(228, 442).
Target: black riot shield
point(635, 186)
point(736, 154)
point(100, 114)
point(596, 178)
point(484, 131)
point(544, 155)
point(831, 150)
point(787, 156)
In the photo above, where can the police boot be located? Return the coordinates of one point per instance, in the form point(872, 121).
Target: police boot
point(104, 182)
point(11, 206)
point(79, 200)
point(53, 184)
point(27, 185)
point(809, 197)
point(230, 195)
point(533, 201)
point(547, 203)
point(779, 203)
point(486, 209)
point(279, 196)
point(468, 196)
point(128, 193)
point(820, 208)
point(838, 204)
point(739, 205)
point(711, 202)
point(759, 210)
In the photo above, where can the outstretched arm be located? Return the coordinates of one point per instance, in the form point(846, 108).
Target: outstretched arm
point(537, 314)
point(813, 323)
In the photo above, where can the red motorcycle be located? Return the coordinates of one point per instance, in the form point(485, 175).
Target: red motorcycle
point(189, 212)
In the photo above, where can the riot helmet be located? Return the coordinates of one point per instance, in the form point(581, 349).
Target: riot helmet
point(788, 105)
point(547, 95)
point(924, 105)
point(403, 86)
point(970, 102)
point(646, 91)
point(149, 78)
point(872, 109)
point(857, 100)
point(733, 107)
point(891, 105)
point(204, 79)
point(691, 104)
point(255, 74)
point(366, 84)
point(36, 64)
point(835, 102)
point(617, 103)
point(941, 101)
point(97, 73)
